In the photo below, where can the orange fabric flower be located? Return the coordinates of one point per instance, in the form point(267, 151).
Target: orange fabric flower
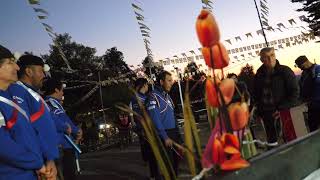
point(227, 144)
point(219, 55)
point(227, 87)
point(207, 29)
point(239, 115)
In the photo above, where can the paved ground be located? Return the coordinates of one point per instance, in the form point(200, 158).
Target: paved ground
point(115, 164)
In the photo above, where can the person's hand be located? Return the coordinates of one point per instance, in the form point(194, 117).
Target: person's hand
point(51, 170)
point(42, 170)
point(168, 142)
point(276, 115)
point(68, 130)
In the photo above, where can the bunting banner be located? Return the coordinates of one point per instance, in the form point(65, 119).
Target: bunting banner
point(77, 87)
point(89, 94)
point(145, 30)
point(206, 4)
point(279, 27)
point(264, 13)
point(136, 7)
point(248, 35)
point(291, 21)
point(139, 16)
point(34, 2)
point(42, 15)
point(238, 38)
point(253, 50)
point(228, 41)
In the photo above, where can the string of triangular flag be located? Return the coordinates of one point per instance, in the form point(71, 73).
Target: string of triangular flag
point(252, 50)
point(42, 15)
point(77, 87)
point(89, 94)
point(279, 27)
point(264, 13)
point(144, 29)
point(207, 4)
point(123, 78)
point(278, 44)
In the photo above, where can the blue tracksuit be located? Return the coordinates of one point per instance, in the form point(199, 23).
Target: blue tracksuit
point(161, 110)
point(20, 153)
point(135, 107)
point(40, 117)
point(61, 120)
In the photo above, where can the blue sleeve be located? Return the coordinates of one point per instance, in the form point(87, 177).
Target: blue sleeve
point(154, 113)
point(16, 155)
point(74, 128)
point(48, 136)
point(60, 125)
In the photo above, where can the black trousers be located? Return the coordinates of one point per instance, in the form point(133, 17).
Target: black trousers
point(269, 125)
point(69, 164)
point(313, 118)
point(172, 154)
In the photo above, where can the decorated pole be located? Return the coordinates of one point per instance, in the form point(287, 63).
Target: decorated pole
point(101, 99)
point(262, 29)
point(179, 85)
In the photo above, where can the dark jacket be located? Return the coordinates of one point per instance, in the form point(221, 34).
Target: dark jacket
point(284, 87)
point(310, 86)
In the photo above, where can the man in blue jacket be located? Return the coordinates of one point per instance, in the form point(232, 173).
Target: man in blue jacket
point(161, 110)
point(20, 155)
point(53, 90)
point(141, 88)
point(310, 90)
point(25, 93)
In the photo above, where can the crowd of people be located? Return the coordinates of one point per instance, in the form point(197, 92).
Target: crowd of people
point(33, 126)
point(274, 89)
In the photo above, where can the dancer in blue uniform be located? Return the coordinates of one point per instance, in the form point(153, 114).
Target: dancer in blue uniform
point(53, 90)
point(161, 110)
point(25, 92)
point(20, 155)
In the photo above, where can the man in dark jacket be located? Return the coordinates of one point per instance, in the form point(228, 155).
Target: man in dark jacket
point(275, 89)
point(310, 90)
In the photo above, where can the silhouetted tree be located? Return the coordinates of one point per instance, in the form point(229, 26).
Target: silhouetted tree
point(312, 7)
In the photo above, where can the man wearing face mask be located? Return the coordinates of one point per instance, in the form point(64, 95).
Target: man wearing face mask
point(310, 90)
point(25, 93)
point(275, 89)
point(161, 110)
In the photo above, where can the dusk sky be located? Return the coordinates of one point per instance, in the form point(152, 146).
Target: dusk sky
point(106, 23)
